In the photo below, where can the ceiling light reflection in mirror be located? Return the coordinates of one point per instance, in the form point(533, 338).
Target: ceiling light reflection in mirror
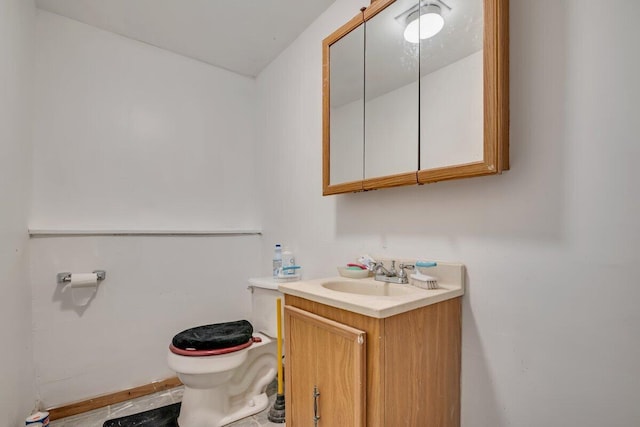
point(423, 24)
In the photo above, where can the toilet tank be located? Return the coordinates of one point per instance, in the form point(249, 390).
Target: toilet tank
point(264, 293)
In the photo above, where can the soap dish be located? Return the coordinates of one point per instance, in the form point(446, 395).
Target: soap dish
point(352, 273)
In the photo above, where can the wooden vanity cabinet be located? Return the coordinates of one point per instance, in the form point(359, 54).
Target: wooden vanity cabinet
point(410, 373)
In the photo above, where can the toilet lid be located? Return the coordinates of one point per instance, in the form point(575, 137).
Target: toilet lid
point(214, 337)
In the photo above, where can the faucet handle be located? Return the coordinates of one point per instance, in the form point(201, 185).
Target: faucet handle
point(403, 269)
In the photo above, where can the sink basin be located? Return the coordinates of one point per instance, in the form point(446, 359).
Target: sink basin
point(370, 287)
point(377, 299)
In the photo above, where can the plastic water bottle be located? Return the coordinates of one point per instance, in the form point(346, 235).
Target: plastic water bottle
point(277, 260)
point(288, 260)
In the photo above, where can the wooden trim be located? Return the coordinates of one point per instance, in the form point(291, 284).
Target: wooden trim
point(111, 398)
point(490, 103)
point(347, 332)
point(347, 187)
point(467, 170)
point(376, 8)
point(502, 73)
point(326, 108)
point(397, 180)
point(327, 187)
point(489, 80)
point(496, 84)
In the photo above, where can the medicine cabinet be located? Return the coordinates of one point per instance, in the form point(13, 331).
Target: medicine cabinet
point(399, 109)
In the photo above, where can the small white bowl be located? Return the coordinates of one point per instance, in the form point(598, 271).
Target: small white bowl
point(352, 273)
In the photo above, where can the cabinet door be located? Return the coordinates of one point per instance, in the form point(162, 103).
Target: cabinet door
point(327, 357)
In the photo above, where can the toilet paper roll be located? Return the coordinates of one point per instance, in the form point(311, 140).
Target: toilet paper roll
point(83, 287)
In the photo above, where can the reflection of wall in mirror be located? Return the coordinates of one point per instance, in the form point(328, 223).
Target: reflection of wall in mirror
point(451, 125)
point(391, 136)
point(451, 114)
point(391, 132)
point(346, 136)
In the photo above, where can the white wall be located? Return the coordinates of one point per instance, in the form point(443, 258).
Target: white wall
point(16, 65)
point(155, 287)
point(132, 136)
point(550, 321)
point(128, 136)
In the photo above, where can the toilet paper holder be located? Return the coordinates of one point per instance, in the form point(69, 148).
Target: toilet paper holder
point(66, 276)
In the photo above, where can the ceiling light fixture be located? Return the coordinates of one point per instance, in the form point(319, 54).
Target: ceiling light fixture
point(424, 23)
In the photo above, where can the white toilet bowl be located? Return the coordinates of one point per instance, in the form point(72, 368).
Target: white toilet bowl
point(224, 388)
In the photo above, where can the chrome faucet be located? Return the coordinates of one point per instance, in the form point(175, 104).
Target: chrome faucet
point(389, 276)
point(377, 267)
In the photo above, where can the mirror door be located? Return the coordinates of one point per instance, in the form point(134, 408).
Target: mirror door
point(343, 108)
point(464, 92)
point(451, 79)
point(391, 96)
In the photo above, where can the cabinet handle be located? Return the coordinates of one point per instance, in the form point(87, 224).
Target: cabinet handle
point(316, 394)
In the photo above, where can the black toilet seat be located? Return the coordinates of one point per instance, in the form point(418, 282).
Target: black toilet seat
point(214, 337)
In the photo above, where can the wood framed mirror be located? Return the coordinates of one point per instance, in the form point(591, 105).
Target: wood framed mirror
point(399, 112)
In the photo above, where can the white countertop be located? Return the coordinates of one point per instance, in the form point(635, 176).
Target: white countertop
point(269, 282)
point(450, 281)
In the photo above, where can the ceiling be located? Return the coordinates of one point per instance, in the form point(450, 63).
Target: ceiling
point(240, 36)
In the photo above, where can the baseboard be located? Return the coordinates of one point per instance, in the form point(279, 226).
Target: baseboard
point(111, 398)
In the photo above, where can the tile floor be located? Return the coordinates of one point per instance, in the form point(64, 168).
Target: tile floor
point(97, 417)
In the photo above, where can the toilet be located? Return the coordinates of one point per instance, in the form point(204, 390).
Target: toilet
point(226, 367)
